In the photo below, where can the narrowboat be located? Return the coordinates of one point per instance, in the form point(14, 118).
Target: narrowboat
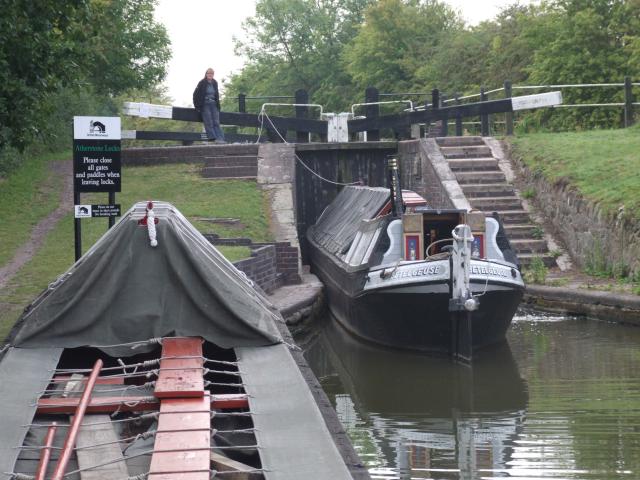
point(154, 358)
point(404, 275)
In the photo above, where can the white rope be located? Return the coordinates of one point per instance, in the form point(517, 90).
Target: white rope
point(151, 225)
point(299, 160)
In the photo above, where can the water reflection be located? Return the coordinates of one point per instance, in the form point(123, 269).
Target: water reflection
point(560, 400)
point(414, 415)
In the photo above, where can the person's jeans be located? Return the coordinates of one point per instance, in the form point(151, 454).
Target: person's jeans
point(211, 120)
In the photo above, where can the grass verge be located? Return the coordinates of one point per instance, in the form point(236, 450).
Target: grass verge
point(27, 196)
point(603, 165)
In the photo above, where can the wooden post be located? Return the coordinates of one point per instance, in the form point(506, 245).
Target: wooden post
point(484, 118)
point(435, 105)
point(445, 118)
point(458, 118)
point(371, 95)
point(242, 103)
point(508, 116)
point(628, 102)
point(302, 96)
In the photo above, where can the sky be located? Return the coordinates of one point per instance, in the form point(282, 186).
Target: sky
point(202, 31)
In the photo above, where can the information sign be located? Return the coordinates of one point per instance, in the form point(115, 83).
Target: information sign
point(88, 211)
point(96, 154)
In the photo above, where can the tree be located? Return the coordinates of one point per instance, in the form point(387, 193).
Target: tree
point(293, 44)
point(51, 45)
point(592, 41)
point(397, 39)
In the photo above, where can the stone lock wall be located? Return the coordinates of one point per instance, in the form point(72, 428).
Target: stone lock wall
point(594, 238)
point(424, 170)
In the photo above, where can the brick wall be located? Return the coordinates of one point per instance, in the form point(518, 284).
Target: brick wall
point(271, 265)
point(182, 154)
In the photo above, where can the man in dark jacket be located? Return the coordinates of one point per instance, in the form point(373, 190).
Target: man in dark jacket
point(206, 99)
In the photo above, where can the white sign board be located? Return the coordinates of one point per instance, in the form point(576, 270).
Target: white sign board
point(146, 110)
point(96, 128)
point(83, 211)
point(539, 100)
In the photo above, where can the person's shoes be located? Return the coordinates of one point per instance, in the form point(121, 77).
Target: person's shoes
point(220, 141)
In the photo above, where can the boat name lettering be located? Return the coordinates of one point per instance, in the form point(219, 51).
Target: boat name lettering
point(430, 270)
point(500, 272)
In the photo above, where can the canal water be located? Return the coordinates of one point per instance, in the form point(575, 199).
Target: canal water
point(559, 400)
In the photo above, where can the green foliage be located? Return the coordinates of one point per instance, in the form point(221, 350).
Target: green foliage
point(294, 44)
point(335, 49)
point(529, 193)
point(52, 50)
point(536, 271)
point(537, 232)
point(397, 38)
point(589, 41)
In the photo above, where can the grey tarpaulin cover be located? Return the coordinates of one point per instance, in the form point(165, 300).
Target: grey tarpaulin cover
point(123, 290)
point(293, 437)
point(338, 224)
point(23, 373)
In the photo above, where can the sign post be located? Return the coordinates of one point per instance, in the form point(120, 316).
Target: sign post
point(96, 168)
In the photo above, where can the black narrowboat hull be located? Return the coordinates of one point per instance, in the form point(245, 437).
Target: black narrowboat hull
point(413, 315)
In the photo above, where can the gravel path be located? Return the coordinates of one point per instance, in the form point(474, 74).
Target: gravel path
point(40, 231)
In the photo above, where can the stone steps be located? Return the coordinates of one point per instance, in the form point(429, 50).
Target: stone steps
point(528, 245)
point(231, 149)
point(525, 230)
point(479, 151)
point(229, 161)
point(491, 204)
point(488, 190)
point(459, 141)
point(517, 217)
point(474, 164)
point(527, 258)
point(479, 177)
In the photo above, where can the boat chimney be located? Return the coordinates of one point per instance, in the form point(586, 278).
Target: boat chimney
point(397, 205)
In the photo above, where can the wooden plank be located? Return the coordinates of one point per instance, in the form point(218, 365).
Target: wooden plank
point(97, 434)
point(225, 464)
point(185, 461)
point(183, 451)
point(192, 439)
point(99, 381)
point(97, 404)
point(180, 377)
point(133, 404)
point(229, 401)
point(179, 476)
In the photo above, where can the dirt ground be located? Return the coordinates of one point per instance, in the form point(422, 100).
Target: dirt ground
point(40, 231)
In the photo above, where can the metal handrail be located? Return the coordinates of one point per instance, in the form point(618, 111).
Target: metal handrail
point(380, 103)
point(317, 105)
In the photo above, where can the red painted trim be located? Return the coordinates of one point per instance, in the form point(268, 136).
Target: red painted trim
point(136, 404)
point(45, 452)
point(72, 433)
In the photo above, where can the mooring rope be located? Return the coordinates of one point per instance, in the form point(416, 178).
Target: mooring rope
point(153, 415)
point(151, 225)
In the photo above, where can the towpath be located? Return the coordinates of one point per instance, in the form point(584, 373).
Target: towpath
point(44, 226)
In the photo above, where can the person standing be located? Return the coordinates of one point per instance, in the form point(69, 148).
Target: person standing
point(206, 100)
